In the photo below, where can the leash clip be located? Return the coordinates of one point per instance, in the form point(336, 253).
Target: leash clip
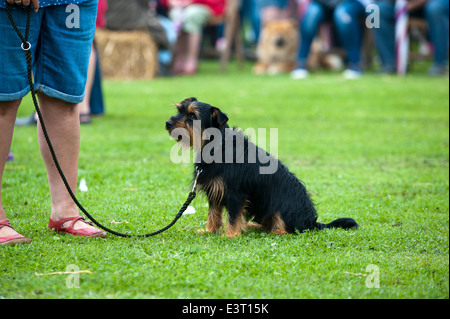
point(196, 178)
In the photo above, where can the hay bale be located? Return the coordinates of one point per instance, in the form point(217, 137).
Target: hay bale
point(127, 54)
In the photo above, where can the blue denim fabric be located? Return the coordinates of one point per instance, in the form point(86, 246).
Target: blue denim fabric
point(46, 3)
point(275, 3)
point(347, 20)
point(436, 12)
point(60, 54)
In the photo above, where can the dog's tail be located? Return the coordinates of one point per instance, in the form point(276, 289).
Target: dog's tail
point(344, 223)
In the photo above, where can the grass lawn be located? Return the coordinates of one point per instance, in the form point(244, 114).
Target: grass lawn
point(375, 149)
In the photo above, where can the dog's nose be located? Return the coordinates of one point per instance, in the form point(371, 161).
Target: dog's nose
point(280, 42)
point(169, 124)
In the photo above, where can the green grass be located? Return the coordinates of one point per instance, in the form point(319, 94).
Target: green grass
point(376, 149)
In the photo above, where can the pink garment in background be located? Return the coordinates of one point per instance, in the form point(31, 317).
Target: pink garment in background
point(101, 11)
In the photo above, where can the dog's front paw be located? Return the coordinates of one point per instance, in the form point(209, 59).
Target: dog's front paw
point(231, 233)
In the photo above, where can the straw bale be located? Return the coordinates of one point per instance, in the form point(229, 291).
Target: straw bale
point(127, 54)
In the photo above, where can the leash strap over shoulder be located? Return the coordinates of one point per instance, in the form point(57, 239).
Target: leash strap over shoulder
point(26, 46)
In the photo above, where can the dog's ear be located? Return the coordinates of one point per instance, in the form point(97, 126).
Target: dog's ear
point(218, 116)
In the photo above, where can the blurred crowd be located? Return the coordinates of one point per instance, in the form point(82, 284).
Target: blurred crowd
point(291, 36)
point(186, 29)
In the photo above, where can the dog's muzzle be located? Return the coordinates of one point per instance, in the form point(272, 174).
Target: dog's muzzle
point(280, 42)
point(169, 124)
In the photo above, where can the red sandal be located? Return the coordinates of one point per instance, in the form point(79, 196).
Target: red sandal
point(14, 239)
point(85, 232)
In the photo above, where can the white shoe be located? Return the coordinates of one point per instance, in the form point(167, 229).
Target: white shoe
point(350, 74)
point(298, 74)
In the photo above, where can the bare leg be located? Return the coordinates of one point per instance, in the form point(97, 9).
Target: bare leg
point(84, 106)
point(63, 127)
point(8, 113)
point(179, 56)
point(192, 52)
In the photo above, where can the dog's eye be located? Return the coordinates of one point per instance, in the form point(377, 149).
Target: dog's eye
point(192, 116)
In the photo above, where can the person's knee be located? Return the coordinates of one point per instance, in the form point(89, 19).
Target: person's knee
point(342, 16)
point(348, 12)
point(54, 106)
point(195, 18)
point(314, 16)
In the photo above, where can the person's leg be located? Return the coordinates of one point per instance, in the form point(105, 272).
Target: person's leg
point(63, 127)
point(315, 15)
point(62, 124)
point(255, 18)
point(195, 18)
point(59, 98)
point(179, 54)
point(347, 17)
point(176, 16)
point(194, 41)
point(8, 112)
point(13, 87)
point(84, 107)
point(436, 13)
point(385, 36)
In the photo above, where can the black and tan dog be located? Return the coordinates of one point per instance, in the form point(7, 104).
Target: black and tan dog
point(233, 177)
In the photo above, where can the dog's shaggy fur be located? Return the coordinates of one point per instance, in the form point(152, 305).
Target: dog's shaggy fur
point(277, 48)
point(276, 202)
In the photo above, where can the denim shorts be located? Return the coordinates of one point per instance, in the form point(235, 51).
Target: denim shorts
point(61, 39)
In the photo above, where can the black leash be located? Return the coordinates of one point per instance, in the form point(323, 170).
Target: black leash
point(26, 47)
